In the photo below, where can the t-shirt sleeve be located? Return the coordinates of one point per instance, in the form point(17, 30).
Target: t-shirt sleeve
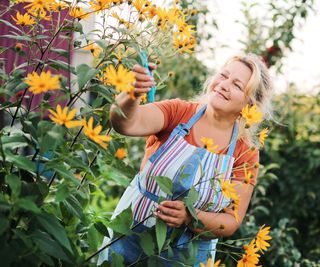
point(246, 165)
point(173, 110)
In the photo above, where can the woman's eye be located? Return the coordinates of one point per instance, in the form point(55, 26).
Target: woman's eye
point(223, 75)
point(238, 86)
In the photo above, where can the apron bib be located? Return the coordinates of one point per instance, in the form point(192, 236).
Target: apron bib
point(187, 165)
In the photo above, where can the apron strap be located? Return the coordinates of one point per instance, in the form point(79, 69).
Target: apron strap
point(233, 141)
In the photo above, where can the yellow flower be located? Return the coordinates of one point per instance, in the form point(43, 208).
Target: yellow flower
point(262, 237)
point(235, 207)
point(250, 258)
point(251, 115)
point(18, 46)
point(262, 136)
point(98, 5)
point(23, 20)
point(247, 175)
point(41, 5)
point(78, 12)
point(42, 83)
point(152, 11)
point(63, 117)
point(94, 49)
point(121, 153)
point(144, 98)
point(183, 44)
point(185, 28)
point(58, 5)
point(210, 263)
point(227, 189)
point(162, 18)
point(122, 78)
point(209, 144)
point(40, 14)
point(139, 5)
point(93, 133)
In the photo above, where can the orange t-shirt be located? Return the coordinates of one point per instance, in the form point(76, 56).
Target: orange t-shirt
point(177, 111)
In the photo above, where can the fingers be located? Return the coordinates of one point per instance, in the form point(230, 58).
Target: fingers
point(177, 204)
point(170, 221)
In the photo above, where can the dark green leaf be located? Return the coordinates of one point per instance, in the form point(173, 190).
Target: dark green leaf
point(62, 193)
point(51, 224)
point(74, 207)
point(117, 260)
point(47, 245)
point(63, 172)
point(146, 242)
point(155, 261)
point(164, 183)
point(28, 204)
point(20, 161)
point(61, 52)
point(122, 223)
point(14, 182)
point(4, 224)
point(102, 228)
point(85, 74)
point(161, 233)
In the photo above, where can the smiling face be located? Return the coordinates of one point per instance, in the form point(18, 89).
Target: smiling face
point(227, 91)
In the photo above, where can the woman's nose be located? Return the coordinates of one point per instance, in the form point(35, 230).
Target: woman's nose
point(225, 85)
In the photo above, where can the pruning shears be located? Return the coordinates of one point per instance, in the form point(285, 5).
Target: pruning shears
point(144, 63)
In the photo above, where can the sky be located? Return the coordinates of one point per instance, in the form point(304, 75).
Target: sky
point(302, 66)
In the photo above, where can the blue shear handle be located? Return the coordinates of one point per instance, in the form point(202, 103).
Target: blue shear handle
point(144, 59)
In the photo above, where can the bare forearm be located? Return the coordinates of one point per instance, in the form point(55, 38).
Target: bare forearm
point(217, 224)
point(129, 107)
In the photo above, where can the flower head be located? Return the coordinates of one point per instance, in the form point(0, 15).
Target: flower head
point(78, 12)
point(210, 263)
point(63, 117)
point(39, 5)
point(98, 5)
point(262, 136)
point(94, 133)
point(250, 258)
point(24, 20)
point(121, 153)
point(209, 144)
point(227, 189)
point(94, 49)
point(262, 237)
point(42, 83)
point(58, 5)
point(251, 115)
point(122, 79)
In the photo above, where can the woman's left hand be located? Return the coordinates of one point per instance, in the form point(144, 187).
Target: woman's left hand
point(173, 213)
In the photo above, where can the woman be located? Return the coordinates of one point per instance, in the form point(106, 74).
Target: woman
point(175, 149)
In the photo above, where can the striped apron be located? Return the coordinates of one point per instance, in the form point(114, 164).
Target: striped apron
point(187, 166)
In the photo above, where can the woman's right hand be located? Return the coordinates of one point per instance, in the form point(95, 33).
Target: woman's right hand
point(143, 81)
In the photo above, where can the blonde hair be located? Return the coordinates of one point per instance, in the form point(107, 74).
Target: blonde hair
point(258, 91)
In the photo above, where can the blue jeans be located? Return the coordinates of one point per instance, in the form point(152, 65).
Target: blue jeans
point(129, 247)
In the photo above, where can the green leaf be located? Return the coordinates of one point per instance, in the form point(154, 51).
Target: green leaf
point(122, 223)
point(28, 204)
point(84, 74)
point(61, 52)
point(10, 25)
point(117, 260)
point(62, 193)
point(47, 245)
point(146, 242)
point(164, 183)
point(192, 211)
point(14, 182)
point(13, 141)
point(192, 197)
point(4, 224)
point(20, 161)
point(161, 233)
point(51, 224)
point(62, 171)
point(103, 91)
point(17, 37)
point(101, 228)
point(60, 65)
point(155, 261)
point(74, 207)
